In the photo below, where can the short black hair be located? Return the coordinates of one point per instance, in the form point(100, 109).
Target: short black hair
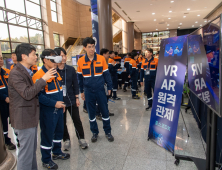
point(150, 50)
point(23, 48)
point(158, 52)
point(47, 52)
point(111, 52)
point(116, 53)
point(129, 54)
point(58, 50)
point(88, 40)
point(134, 51)
point(133, 54)
point(13, 52)
point(103, 51)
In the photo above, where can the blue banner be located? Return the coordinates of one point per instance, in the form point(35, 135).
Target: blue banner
point(200, 69)
point(95, 24)
point(168, 92)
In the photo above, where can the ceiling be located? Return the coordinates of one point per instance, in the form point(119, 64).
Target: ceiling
point(140, 12)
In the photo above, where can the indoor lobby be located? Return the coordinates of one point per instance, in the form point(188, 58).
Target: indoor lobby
point(167, 121)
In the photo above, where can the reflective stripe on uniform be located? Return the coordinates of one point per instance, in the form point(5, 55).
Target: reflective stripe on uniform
point(150, 98)
point(133, 90)
point(105, 118)
point(45, 147)
point(92, 120)
point(56, 141)
point(2, 88)
point(52, 92)
point(105, 70)
point(114, 89)
point(98, 75)
point(5, 133)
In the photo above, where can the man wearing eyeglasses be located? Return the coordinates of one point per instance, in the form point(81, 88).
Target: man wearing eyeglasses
point(52, 108)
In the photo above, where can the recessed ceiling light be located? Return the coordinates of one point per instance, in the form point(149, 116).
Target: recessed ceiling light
point(198, 15)
point(184, 16)
point(192, 25)
point(169, 18)
point(196, 22)
point(200, 24)
point(180, 23)
point(178, 27)
point(170, 11)
point(171, 1)
point(167, 28)
point(168, 24)
point(156, 29)
point(188, 9)
point(205, 21)
point(153, 13)
point(151, 4)
point(154, 19)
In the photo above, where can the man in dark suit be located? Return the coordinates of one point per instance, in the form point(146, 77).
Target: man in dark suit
point(24, 104)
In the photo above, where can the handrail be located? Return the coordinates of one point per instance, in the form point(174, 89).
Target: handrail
point(77, 41)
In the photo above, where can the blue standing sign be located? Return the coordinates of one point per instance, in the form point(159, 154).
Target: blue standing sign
point(95, 24)
point(168, 92)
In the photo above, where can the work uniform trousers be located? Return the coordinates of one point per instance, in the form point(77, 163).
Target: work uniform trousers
point(149, 86)
point(52, 128)
point(99, 97)
point(4, 112)
point(126, 80)
point(115, 85)
point(134, 85)
point(120, 79)
point(74, 113)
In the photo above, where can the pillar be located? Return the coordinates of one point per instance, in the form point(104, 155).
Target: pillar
point(128, 36)
point(105, 24)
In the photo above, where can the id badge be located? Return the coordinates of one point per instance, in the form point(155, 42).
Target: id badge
point(64, 90)
point(147, 72)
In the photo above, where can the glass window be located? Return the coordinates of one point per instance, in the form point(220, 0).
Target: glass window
point(35, 36)
point(4, 32)
point(33, 9)
point(5, 47)
point(54, 16)
point(39, 49)
point(2, 15)
point(56, 40)
point(14, 45)
point(36, 1)
point(16, 5)
point(12, 18)
point(53, 6)
point(18, 34)
point(2, 3)
point(22, 21)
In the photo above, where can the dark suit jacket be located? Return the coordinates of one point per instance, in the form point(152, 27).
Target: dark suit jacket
point(23, 96)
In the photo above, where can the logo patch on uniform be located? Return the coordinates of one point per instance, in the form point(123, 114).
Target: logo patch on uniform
point(153, 61)
point(98, 62)
point(36, 80)
point(85, 64)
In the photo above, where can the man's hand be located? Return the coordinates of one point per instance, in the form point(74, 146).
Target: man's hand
point(119, 70)
point(117, 62)
point(7, 100)
point(49, 74)
point(64, 109)
point(129, 76)
point(109, 92)
point(77, 102)
point(83, 96)
point(113, 63)
point(141, 83)
point(60, 104)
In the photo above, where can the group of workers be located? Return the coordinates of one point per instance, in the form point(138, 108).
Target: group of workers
point(57, 85)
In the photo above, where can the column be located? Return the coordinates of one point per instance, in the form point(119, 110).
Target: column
point(105, 24)
point(128, 36)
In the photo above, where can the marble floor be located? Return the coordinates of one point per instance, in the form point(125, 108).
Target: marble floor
point(130, 150)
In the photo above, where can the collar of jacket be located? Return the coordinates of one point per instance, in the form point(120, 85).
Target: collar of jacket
point(45, 70)
point(22, 68)
point(87, 58)
point(149, 60)
point(3, 71)
point(63, 68)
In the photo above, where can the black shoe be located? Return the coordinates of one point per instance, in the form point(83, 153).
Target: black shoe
point(135, 97)
point(50, 165)
point(94, 138)
point(10, 146)
point(145, 94)
point(62, 156)
point(84, 110)
point(120, 88)
point(129, 87)
point(124, 90)
point(110, 137)
point(111, 114)
point(117, 98)
point(148, 108)
point(99, 117)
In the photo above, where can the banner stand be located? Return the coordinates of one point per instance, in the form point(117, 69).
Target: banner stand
point(184, 123)
point(209, 162)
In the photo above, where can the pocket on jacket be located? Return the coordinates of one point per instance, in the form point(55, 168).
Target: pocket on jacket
point(99, 69)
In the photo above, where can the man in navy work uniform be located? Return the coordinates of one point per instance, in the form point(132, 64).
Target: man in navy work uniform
point(4, 103)
point(52, 108)
point(93, 73)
